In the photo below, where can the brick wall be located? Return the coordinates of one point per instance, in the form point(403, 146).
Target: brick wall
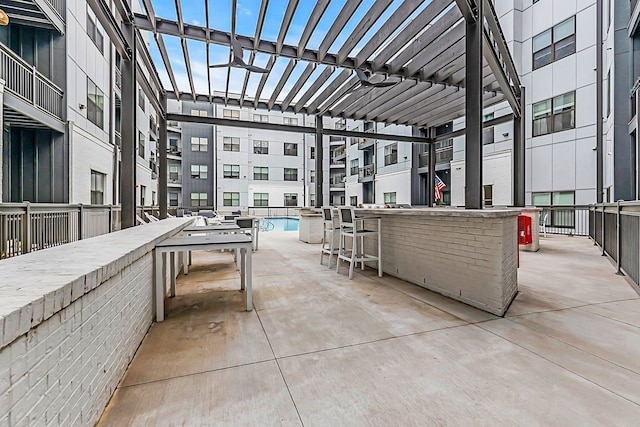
point(64, 352)
point(466, 256)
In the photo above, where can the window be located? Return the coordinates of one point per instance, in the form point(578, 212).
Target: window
point(231, 144)
point(353, 201)
point(290, 174)
point(313, 153)
point(199, 199)
point(199, 171)
point(141, 144)
point(199, 144)
point(174, 174)
point(554, 115)
point(260, 147)
point(231, 171)
point(260, 199)
point(231, 114)
point(391, 154)
point(263, 118)
point(559, 210)
point(609, 95)
point(291, 199)
point(173, 199)
point(390, 197)
point(143, 192)
point(290, 121)
point(312, 199)
point(260, 173)
point(487, 190)
point(173, 143)
point(312, 176)
point(97, 188)
point(487, 133)
point(354, 167)
point(445, 128)
point(153, 198)
point(231, 199)
point(290, 149)
point(555, 43)
point(94, 34)
point(141, 98)
point(199, 113)
point(95, 104)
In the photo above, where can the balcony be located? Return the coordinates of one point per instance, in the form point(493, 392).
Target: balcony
point(174, 180)
point(339, 154)
point(29, 92)
point(365, 143)
point(336, 183)
point(41, 13)
point(366, 173)
point(423, 160)
point(444, 155)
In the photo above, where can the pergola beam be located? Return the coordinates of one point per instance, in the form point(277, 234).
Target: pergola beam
point(263, 81)
point(283, 80)
point(326, 73)
point(336, 27)
point(329, 90)
point(314, 19)
point(286, 22)
point(363, 26)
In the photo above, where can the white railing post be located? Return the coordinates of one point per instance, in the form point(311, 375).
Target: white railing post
point(34, 83)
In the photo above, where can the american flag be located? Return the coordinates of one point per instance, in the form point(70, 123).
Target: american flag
point(439, 186)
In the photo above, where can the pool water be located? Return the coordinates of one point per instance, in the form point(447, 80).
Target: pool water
point(281, 224)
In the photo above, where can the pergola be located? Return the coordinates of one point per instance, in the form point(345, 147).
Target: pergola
point(448, 59)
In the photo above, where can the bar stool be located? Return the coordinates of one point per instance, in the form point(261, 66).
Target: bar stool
point(349, 229)
point(328, 229)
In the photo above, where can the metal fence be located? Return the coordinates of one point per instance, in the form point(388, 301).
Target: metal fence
point(276, 211)
point(569, 220)
point(615, 227)
point(27, 227)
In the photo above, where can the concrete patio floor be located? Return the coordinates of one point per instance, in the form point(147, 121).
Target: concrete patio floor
point(319, 349)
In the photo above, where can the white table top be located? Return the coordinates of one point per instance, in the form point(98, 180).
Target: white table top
point(211, 239)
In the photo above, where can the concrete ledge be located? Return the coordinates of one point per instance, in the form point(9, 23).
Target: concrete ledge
point(71, 319)
point(443, 212)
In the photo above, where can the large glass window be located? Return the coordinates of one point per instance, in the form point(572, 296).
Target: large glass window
point(97, 188)
point(390, 197)
point(174, 174)
point(260, 199)
point(199, 171)
point(231, 114)
point(260, 173)
point(554, 115)
point(291, 199)
point(142, 144)
point(260, 147)
point(353, 169)
point(141, 98)
point(391, 154)
point(95, 104)
point(231, 199)
point(173, 199)
point(555, 43)
point(290, 149)
point(557, 208)
point(94, 34)
point(199, 199)
point(199, 144)
point(230, 143)
point(231, 171)
point(290, 174)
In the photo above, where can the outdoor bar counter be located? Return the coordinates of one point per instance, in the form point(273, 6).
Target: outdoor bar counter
point(467, 255)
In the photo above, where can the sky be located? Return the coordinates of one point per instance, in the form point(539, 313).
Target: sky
point(246, 19)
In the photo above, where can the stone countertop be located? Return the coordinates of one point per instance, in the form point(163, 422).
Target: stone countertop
point(444, 212)
point(62, 274)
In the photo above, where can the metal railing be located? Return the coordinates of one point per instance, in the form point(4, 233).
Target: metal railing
point(366, 171)
point(339, 152)
point(569, 220)
point(444, 155)
point(615, 227)
point(58, 6)
point(273, 211)
point(28, 227)
point(25, 81)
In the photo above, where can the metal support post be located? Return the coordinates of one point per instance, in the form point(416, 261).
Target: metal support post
point(319, 163)
point(618, 242)
point(519, 154)
point(431, 176)
point(26, 230)
point(599, 104)
point(80, 221)
point(473, 110)
point(602, 236)
point(162, 147)
point(128, 178)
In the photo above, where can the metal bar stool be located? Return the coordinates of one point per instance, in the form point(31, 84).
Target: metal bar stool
point(353, 228)
point(328, 229)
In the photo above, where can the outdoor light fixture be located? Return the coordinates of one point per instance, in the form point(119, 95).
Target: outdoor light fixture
point(82, 106)
point(4, 18)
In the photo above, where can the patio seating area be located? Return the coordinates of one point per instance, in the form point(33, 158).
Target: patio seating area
point(320, 349)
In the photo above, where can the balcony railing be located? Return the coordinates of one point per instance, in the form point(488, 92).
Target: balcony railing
point(175, 179)
point(339, 152)
point(118, 78)
point(117, 138)
point(366, 172)
point(24, 81)
point(27, 227)
point(444, 155)
point(58, 6)
point(423, 160)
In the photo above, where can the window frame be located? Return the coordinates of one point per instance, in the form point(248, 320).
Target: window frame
point(95, 34)
point(550, 117)
point(199, 199)
point(231, 198)
point(201, 171)
point(260, 201)
point(290, 174)
point(231, 144)
point(260, 146)
point(291, 147)
point(172, 198)
point(230, 171)
point(390, 197)
point(95, 106)
point(553, 44)
point(197, 141)
point(354, 167)
point(391, 154)
point(261, 118)
point(231, 114)
point(291, 199)
point(142, 144)
point(291, 121)
point(95, 192)
point(261, 175)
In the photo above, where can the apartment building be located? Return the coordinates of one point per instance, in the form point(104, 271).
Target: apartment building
point(230, 168)
point(61, 109)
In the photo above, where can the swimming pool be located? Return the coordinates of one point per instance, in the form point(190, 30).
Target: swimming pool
point(279, 224)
